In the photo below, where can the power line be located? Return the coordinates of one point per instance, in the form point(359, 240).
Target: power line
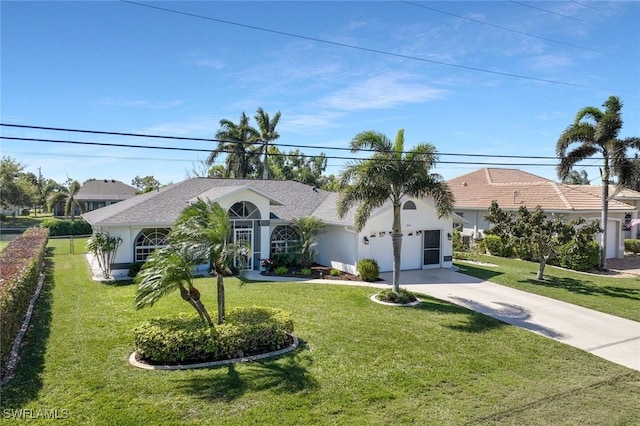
point(477, 21)
point(120, 145)
point(552, 12)
point(184, 138)
point(366, 49)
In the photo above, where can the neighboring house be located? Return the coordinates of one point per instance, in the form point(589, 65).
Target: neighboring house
point(96, 194)
point(514, 188)
point(261, 212)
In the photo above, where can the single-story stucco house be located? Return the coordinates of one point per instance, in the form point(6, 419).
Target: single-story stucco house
point(261, 212)
point(513, 188)
point(98, 193)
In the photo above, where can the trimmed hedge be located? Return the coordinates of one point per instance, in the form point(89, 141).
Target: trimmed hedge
point(21, 262)
point(247, 331)
point(368, 269)
point(63, 227)
point(496, 247)
point(632, 245)
point(572, 256)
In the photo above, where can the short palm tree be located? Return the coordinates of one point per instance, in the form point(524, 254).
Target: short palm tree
point(267, 130)
point(388, 176)
point(308, 228)
point(236, 140)
point(70, 202)
point(203, 230)
point(169, 269)
point(595, 132)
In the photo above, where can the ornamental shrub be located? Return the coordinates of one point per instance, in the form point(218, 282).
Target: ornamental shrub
point(402, 297)
point(64, 227)
point(281, 270)
point(632, 245)
point(496, 246)
point(247, 331)
point(21, 262)
point(169, 340)
point(368, 269)
point(523, 251)
point(574, 256)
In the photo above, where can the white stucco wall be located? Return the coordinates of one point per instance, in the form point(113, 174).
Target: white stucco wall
point(337, 247)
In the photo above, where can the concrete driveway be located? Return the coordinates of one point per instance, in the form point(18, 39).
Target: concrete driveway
point(607, 336)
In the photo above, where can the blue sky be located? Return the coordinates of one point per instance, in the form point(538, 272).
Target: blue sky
point(341, 68)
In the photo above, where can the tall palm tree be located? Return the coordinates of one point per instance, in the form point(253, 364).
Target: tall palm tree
point(596, 133)
point(387, 176)
point(267, 129)
point(236, 140)
point(167, 270)
point(203, 229)
point(70, 202)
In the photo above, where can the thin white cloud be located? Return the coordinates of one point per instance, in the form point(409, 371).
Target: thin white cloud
point(385, 91)
point(140, 103)
point(549, 63)
point(198, 126)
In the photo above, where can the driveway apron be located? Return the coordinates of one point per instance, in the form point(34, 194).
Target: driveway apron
point(607, 336)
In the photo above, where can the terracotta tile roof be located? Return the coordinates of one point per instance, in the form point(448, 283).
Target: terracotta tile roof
point(512, 188)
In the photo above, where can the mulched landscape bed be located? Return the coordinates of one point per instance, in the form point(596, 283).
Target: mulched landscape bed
point(317, 271)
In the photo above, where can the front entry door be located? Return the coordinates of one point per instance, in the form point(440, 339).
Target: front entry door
point(244, 260)
point(431, 252)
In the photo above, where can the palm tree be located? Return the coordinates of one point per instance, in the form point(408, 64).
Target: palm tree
point(203, 229)
point(308, 228)
point(236, 140)
point(387, 176)
point(70, 202)
point(167, 270)
point(596, 132)
point(267, 129)
point(577, 178)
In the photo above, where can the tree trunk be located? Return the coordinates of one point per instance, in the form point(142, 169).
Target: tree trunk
point(221, 308)
point(396, 240)
point(543, 263)
point(604, 217)
point(265, 172)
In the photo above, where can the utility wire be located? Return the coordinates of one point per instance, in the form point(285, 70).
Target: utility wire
point(120, 145)
point(477, 21)
point(552, 12)
point(366, 49)
point(328, 148)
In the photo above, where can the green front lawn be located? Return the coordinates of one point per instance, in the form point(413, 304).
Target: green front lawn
point(615, 296)
point(359, 363)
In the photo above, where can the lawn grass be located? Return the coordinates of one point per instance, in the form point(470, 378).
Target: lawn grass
point(25, 221)
point(615, 296)
point(359, 363)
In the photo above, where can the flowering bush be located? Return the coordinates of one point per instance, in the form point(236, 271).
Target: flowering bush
point(267, 264)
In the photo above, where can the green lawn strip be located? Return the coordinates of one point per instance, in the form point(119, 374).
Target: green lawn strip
point(24, 221)
point(615, 296)
point(359, 363)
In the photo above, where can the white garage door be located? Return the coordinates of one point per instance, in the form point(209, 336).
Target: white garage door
point(381, 249)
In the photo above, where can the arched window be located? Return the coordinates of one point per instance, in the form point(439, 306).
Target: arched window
point(284, 239)
point(244, 210)
point(149, 240)
point(409, 205)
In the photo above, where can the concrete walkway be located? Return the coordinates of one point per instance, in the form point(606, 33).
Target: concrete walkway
point(607, 336)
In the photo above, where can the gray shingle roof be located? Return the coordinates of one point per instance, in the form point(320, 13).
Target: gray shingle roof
point(105, 189)
point(289, 200)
